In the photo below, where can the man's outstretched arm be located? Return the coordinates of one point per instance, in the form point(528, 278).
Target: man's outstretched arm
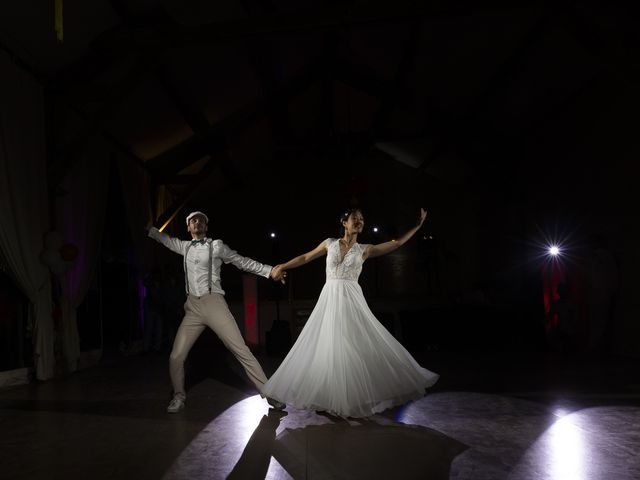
point(171, 243)
point(245, 264)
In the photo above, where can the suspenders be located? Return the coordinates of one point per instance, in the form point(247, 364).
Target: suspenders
point(184, 261)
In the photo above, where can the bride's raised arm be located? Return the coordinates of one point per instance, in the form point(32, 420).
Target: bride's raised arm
point(388, 247)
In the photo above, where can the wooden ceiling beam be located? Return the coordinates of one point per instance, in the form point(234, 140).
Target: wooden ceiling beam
point(335, 17)
point(187, 193)
point(66, 157)
point(214, 139)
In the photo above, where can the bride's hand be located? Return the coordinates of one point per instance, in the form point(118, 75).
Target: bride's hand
point(423, 216)
point(278, 274)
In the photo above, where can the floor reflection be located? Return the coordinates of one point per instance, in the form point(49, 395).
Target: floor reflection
point(449, 435)
point(110, 422)
point(230, 444)
point(567, 450)
point(367, 450)
point(250, 441)
point(256, 457)
point(592, 443)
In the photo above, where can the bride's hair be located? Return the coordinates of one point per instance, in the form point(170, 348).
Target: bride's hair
point(344, 216)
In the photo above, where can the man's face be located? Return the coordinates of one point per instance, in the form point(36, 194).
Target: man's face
point(197, 225)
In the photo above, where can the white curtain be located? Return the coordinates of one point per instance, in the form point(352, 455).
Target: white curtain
point(80, 219)
point(24, 208)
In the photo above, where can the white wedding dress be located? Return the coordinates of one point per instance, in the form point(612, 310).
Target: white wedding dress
point(345, 362)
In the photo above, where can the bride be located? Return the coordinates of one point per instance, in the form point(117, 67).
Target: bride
point(344, 361)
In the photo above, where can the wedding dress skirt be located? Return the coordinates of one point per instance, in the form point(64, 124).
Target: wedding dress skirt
point(345, 362)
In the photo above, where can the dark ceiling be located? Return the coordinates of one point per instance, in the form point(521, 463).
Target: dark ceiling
point(283, 91)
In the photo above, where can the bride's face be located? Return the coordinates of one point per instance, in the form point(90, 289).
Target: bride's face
point(355, 223)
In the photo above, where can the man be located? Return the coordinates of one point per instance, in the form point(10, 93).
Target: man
point(206, 306)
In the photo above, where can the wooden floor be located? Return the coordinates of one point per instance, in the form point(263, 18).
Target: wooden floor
point(491, 416)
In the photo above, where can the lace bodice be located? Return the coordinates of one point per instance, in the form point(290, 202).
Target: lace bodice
point(347, 268)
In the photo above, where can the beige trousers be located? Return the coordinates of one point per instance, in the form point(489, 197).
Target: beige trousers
point(210, 311)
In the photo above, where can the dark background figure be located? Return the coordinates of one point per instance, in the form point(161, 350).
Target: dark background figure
point(564, 337)
point(154, 313)
point(603, 288)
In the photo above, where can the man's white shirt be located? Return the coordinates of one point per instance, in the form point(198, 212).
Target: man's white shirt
point(197, 262)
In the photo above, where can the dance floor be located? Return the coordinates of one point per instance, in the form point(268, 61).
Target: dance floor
point(492, 416)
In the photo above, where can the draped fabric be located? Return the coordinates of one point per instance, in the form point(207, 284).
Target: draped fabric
point(24, 212)
point(80, 219)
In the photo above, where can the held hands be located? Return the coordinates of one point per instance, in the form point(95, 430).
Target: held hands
point(278, 274)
